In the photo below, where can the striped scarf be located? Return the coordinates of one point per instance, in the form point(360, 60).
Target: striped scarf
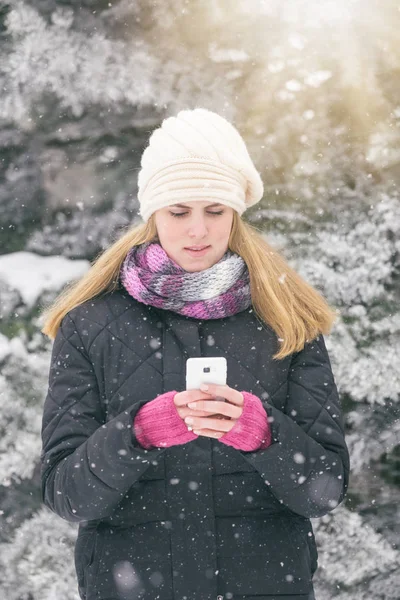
point(151, 277)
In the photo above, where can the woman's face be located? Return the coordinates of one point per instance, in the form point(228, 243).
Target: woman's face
point(194, 224)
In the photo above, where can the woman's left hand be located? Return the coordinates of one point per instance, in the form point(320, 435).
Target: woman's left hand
point(227, 412)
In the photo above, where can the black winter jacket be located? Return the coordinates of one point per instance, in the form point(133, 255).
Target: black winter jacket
point(202, 520)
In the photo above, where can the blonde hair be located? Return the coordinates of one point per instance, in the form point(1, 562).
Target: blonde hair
point(280, 297)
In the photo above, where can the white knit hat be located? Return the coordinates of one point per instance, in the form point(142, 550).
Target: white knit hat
point(197, 155)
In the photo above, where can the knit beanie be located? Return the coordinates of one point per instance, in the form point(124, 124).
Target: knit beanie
point(197, 155)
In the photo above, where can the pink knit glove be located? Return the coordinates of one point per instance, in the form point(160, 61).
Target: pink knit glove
point(158, 424)
point(251, 431)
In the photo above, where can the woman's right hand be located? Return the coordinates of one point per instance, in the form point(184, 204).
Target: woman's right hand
point(181, 399)
point(161, 423)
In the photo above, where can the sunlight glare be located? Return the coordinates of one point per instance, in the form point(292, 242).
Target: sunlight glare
point(318, 13)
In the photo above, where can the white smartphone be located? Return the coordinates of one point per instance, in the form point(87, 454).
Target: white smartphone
point(205, 370)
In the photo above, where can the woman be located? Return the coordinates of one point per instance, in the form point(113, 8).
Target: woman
point(180, 495)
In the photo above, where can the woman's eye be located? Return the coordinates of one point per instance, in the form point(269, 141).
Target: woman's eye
point(209, 212)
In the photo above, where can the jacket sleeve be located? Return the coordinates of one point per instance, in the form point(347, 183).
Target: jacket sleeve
point(307, 465)
point(87, 464)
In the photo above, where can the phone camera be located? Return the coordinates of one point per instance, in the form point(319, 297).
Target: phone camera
point(206, 369)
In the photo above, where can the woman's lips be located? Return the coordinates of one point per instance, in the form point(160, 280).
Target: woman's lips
point(198, 252)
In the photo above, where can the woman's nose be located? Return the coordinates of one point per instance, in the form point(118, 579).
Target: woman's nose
point(197, 228)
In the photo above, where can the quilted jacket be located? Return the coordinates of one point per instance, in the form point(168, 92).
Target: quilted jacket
point(202, 520)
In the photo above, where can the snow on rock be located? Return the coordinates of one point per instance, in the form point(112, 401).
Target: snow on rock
point(9, 300)
point(31, 274)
